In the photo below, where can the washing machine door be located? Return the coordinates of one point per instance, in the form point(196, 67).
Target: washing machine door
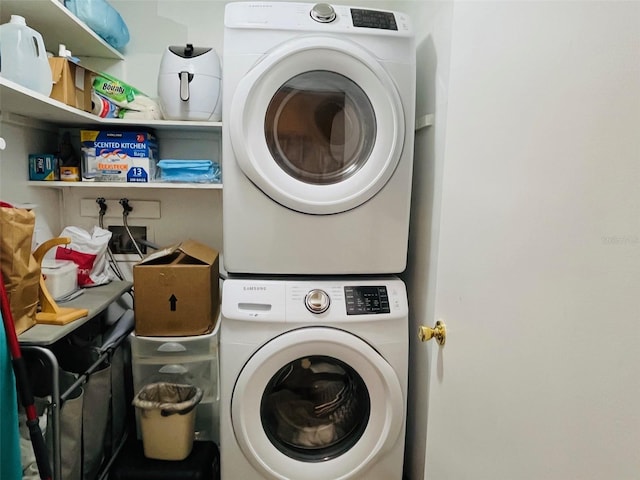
point(318, 125)
point(316, 403)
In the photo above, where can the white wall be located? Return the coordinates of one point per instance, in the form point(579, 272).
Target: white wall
point(24, 136)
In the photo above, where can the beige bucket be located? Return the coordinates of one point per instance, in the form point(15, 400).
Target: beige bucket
point(167, 419)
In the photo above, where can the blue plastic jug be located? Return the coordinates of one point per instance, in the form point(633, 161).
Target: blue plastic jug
point(23, 58)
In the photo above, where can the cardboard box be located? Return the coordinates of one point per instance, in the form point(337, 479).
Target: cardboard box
point(43, 167)
point(177, 291)
point(119, 156)
point(72, 83)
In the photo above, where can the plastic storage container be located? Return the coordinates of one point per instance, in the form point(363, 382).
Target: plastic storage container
point(149, 348)
point(60, 277)
point(192, 359)
point(23, 58)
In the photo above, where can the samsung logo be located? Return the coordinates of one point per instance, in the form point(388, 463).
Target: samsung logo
point(254, 288)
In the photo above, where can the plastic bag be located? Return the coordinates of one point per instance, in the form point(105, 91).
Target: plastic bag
point(88, 251)
point(118, 92)
point(102, 18)
point(169, 398)
point(125, 100)
point(196, 171)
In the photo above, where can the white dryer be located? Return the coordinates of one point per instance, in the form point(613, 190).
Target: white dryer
point(318, 127)
point(313, 379)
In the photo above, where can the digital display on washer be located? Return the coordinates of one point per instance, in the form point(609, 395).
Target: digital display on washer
point(373, 19)
point(366, 300)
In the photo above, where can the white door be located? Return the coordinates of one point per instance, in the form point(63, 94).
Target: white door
point(317, 124)
point(538, 263)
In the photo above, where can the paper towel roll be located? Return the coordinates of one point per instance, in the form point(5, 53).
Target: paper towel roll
point(103, 107)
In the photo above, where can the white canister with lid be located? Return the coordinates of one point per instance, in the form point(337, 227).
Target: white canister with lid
point(23, 58)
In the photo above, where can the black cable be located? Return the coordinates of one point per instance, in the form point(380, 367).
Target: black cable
point(126, 208)
point(102, 203)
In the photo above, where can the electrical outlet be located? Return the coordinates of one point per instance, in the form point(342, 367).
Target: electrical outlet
point(121, 242)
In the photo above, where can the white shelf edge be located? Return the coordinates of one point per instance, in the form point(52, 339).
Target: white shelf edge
point(23, 101)
point(157, 185)
point(58, 25)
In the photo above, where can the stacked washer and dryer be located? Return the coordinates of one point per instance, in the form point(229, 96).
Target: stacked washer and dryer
point(318, 125)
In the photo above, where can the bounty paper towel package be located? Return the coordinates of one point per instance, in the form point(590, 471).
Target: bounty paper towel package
point(118, 156)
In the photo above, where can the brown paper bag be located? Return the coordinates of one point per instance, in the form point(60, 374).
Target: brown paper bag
point(20, 270)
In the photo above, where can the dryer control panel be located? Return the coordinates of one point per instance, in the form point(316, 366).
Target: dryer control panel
point(373, 19)
point(316, 17)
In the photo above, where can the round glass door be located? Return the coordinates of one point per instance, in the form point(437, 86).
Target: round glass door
point(320, 127)
point(317, 124)
point(315, 408)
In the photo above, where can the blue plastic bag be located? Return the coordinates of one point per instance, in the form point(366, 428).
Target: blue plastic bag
point(191, 171)
point(102, 18)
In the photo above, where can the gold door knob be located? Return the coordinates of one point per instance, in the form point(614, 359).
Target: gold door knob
point(439, 332)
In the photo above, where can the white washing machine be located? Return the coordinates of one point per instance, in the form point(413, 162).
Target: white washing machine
point(313, 379)
point(318, 127)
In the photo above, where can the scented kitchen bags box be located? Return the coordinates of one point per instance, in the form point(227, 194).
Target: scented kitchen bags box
point(118, 156)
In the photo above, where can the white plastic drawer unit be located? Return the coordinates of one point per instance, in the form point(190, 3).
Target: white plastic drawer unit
point(202, 373)
point(172, 347)
point(191, 359)
point(207, 421)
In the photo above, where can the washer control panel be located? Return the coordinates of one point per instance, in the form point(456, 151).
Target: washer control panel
point(362, 300)
point(314, 300)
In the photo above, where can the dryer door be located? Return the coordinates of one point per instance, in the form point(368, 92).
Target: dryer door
point(316, 403)
point(318, 125)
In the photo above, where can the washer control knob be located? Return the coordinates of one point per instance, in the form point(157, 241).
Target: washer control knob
point(323, 13)
point(317, 301)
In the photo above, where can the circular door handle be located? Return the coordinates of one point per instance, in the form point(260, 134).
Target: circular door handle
point(439, 332)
